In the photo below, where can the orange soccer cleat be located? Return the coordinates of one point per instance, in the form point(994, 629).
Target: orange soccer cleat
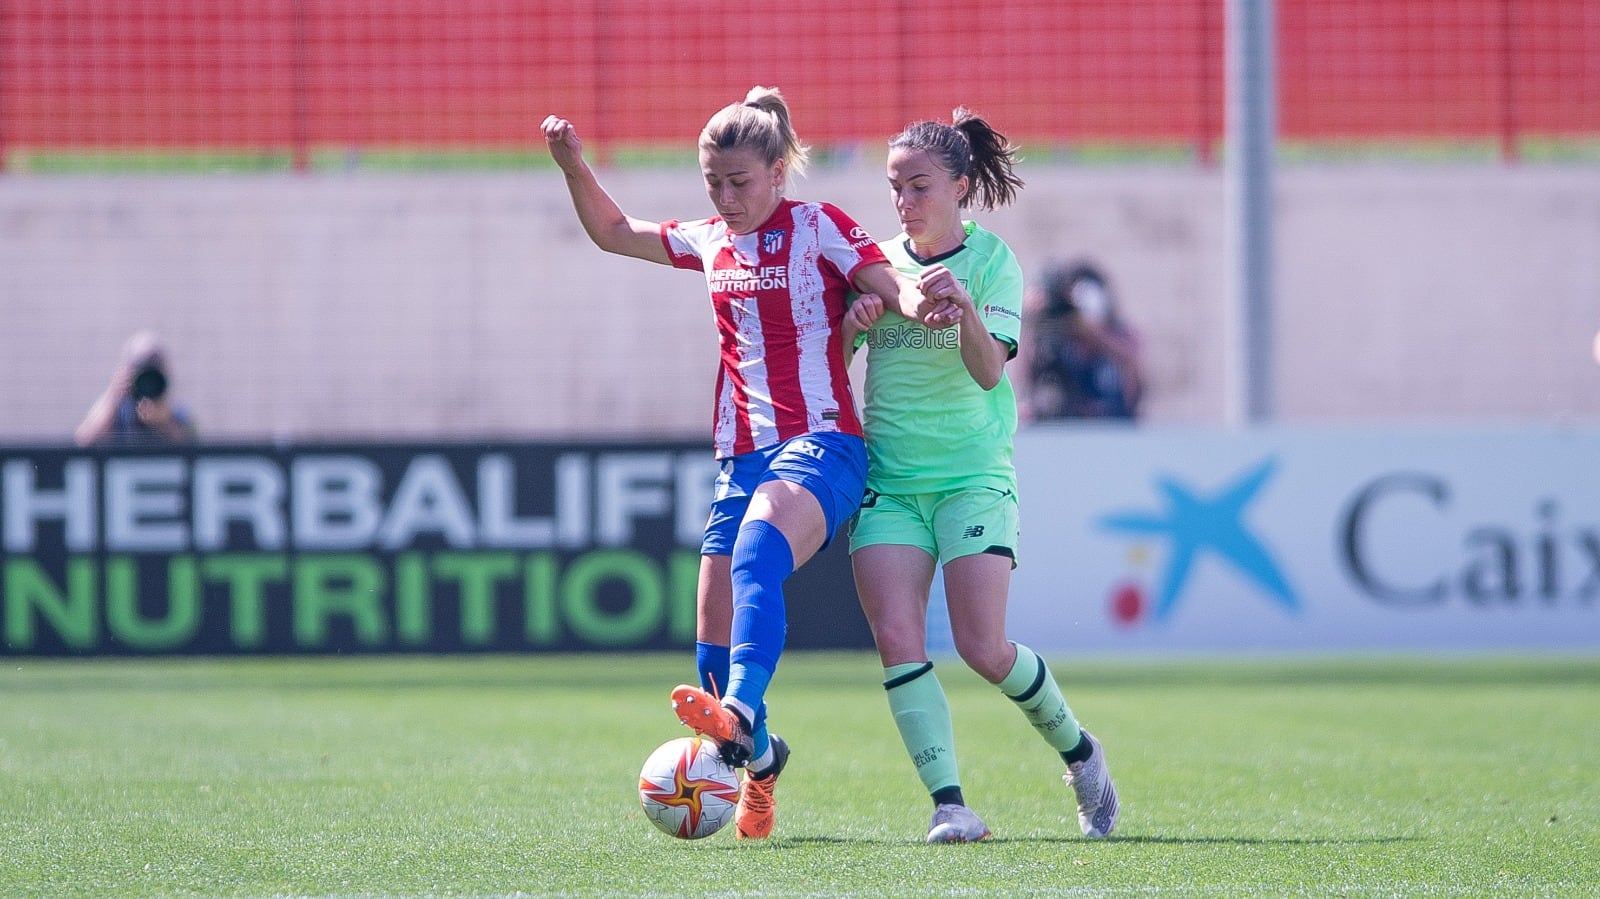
point(702, 713)
point(758, 808)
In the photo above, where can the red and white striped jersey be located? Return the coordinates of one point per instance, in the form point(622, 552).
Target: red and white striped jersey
point(779, 296)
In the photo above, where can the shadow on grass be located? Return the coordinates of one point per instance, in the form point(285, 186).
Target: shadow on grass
point(1226, 841)
point(1152, 839)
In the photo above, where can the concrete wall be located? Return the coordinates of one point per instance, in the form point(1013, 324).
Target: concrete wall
point(471, 305)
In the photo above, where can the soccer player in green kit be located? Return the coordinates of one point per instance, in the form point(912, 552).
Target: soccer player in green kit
point(941, 486)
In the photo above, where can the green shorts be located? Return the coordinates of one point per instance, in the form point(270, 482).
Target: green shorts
point(946, 525)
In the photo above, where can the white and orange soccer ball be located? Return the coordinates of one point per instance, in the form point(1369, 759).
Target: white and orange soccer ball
point(687, 790)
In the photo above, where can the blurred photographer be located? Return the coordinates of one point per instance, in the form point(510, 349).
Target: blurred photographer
point(1082, 359)
point(136, 409)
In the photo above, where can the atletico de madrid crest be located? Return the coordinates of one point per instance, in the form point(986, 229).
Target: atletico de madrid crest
point(772, 241)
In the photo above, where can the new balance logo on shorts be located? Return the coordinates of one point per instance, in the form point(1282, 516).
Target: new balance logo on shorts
point(973, 530)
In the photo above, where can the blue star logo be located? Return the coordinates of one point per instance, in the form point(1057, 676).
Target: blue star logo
point(1194, 524)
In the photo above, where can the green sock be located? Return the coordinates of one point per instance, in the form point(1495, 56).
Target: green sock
point(1031, 686)
point(922, 715)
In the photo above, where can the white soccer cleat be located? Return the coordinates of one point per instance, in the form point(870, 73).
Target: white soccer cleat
point(956, 824)
point(1090, 781)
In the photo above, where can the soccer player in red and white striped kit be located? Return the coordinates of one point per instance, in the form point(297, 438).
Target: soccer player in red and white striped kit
point(786, 431)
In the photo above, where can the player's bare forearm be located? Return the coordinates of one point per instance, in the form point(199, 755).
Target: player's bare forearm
point(851, 334)
point(603, 220)
point(982, 353)
point(600, 215)
point(607, 225)
point(858, 320)
point(901, 295)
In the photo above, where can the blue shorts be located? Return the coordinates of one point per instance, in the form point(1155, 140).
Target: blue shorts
point(833, 466)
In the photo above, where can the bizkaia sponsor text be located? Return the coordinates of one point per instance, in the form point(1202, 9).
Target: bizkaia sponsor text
point(341, 549)
point(1545, 560)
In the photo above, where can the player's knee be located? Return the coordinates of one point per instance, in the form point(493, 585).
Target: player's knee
point(990, 659)
point(898, 641)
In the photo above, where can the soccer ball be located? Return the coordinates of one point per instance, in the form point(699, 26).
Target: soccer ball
point(687, 790)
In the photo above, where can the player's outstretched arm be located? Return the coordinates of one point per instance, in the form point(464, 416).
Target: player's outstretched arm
point(901, 295)
point(607, 225)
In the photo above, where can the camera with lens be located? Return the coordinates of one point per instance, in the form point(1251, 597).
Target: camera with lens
point(149, 384)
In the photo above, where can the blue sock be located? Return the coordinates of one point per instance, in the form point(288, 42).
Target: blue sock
point(762, 560)
point(711, 660)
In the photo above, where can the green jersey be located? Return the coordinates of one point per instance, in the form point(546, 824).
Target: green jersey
point(929, 426)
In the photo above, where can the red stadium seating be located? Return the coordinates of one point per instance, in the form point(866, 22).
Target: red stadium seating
point(301, 77)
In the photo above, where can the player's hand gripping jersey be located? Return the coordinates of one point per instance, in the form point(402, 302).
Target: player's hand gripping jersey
point(779, 295)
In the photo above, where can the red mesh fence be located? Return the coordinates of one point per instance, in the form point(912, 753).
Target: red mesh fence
point(297, 78)
point(1492, 69)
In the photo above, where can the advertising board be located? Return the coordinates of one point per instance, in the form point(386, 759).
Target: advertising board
point(1309, 539)
point(380, 548)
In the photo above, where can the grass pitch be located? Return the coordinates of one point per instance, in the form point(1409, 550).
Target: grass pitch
point(508, 776)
